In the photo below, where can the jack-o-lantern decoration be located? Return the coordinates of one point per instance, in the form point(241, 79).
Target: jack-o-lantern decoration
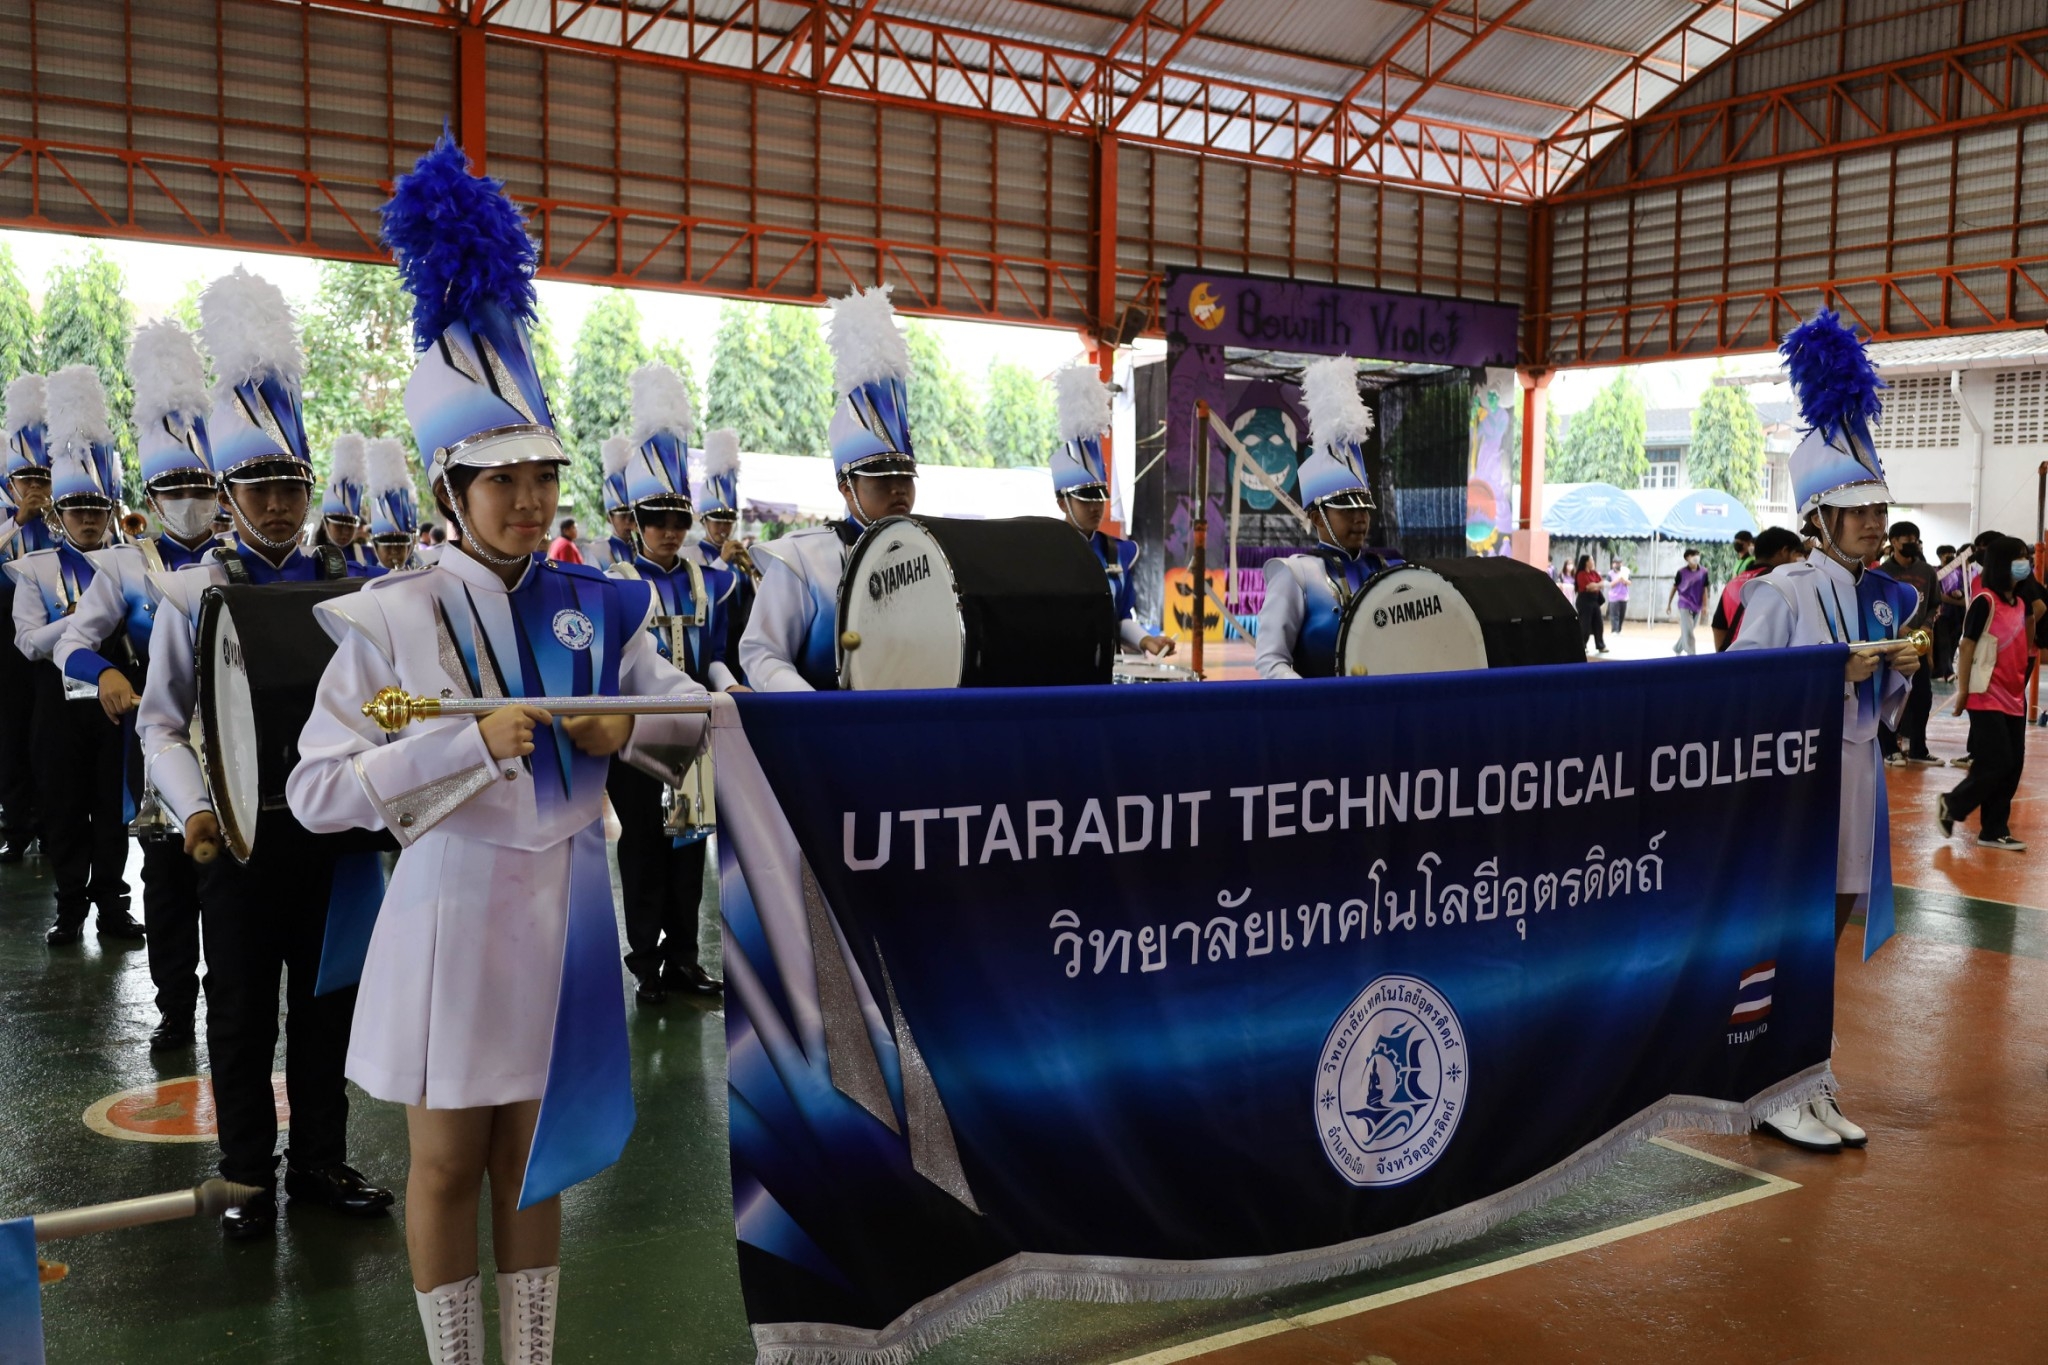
point(1180, 606)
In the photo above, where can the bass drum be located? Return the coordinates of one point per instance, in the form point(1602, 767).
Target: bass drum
point(1447, 615)
point(935, 602)
point(261, 654)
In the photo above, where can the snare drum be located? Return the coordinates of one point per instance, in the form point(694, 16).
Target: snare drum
point(1446, 615)
point(933, 602)
point(1133, 670)
point(261, 654)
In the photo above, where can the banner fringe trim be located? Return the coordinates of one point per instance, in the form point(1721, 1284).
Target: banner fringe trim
point(1115, 1279)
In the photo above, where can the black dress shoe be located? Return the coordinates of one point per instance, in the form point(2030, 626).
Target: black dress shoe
point(247, 1222)
point(648, 990)
point(124, 927)
point(337, 1187)
point(692, 978)
point(64, 933)
point(171, 1036)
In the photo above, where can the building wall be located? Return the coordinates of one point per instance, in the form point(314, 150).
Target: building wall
point(1931, 446)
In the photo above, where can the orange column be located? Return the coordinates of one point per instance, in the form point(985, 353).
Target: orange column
point(470, 83)
point(1532, 545)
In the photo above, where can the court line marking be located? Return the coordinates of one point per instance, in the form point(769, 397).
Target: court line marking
point(1966, 896)
point(1258, 1331)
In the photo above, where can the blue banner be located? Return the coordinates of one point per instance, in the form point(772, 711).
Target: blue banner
point(1154, 992)
point(21, 1295)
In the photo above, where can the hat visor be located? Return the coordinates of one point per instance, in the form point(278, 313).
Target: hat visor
point(1348, 499)
point(883, 467)
point(501, 447)
point(1087, 492)
point(665, 502)
point(181, 481)
point(271, 469)
point(1867, 494)
point(84, 502)
point(718, 514)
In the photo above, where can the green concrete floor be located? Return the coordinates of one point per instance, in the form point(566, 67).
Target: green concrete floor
point(648, 1267)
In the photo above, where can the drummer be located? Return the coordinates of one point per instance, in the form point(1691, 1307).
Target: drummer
point(266, 918)
point(25, 530)
point(729, 570)
point(791, 642)
point(1080, 484)
point(120, 606)
point(77, 754)
point(661, 877)
point(341, 506)
point(1306, 594)
point(615, 451)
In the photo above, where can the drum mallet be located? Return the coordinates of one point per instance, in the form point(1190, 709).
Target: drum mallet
point(393, 708)
point(215, 1196)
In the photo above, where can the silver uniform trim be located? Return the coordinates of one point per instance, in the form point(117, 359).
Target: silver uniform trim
point(849, 1053)
point(934, 1154)
point(411, 814)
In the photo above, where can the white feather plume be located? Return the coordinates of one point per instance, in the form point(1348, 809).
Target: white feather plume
point(247, 327)
point(1329, 390)
point(721, 452)
point(170, 374)
point(616, 450)
point(27, 404)
point(661, 402)
point(349, 460)
point(384, 465)
point(1084, 404)
point(867, 345)
point(77, 410)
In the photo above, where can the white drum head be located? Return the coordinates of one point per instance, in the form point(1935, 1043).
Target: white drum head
point(902, 606)
point(1409, 620)
point(231, 740)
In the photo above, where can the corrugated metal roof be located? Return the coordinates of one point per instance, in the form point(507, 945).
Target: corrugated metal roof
point(2023, 349)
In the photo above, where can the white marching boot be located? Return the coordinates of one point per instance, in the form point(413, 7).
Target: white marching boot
point(453, 1316)
point(1826, 1111)
point(1798, 1126)
point(526, 1315)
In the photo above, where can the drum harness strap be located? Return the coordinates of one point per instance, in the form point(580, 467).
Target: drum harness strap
point(326, 557)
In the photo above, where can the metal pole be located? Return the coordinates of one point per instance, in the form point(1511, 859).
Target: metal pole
point(1199, 564)
point(213, 1197)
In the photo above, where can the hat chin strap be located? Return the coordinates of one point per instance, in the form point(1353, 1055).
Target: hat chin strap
point(246, 529)
point(473, 546)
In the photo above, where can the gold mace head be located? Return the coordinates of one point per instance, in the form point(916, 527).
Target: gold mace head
point(393, 708)
point(1922, 640)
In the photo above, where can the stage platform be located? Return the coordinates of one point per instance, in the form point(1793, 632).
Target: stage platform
point(1925, 1246)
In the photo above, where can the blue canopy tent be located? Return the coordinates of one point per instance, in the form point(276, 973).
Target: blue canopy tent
point(1698, 514)
point(1594, 511)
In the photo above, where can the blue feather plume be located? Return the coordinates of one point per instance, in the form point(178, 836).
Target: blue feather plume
point(461, 244)
point(1832, 375)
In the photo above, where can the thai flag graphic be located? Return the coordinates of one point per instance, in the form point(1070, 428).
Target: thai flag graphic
point(1753, 996)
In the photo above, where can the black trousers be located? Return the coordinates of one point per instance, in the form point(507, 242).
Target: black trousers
point(265, 921)
point(17, 723)
point(661, 884)
point(1913, 720)
point(1592, 620)
point(1998, 755)
point(79, 755)
point(170, 912)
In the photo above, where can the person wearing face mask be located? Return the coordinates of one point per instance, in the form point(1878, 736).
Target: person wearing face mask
point(25, 529)
point(1831, 598)
point(1908, 564)
point(491, 1004)
point(792, 638)
point(78, 755)
point(265, 919)
point(1996, 627)
point(1080, 484)
point(1306, 593)
point(106, 641)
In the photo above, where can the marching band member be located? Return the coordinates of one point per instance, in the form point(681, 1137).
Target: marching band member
point(1080, 484)
point(268, 917)
point(617, 545)
point(392, 507)
point(501, 902)
point(120, 606)
point(728, 567)
point(661, 879)
point(25, 530)
point(1306, 594)
point(341, 505)
point(791, 642)
point(1832, 598)
point(77, 754)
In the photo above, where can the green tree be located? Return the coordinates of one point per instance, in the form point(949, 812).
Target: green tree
point(799, 379)
point(17, 321)
point(1019, 417)
point(86, 321)
point(358, 341)
point(1727, 444)
point(740, 395)
point(945, 421)
point(1604, 444)
point(608, 349)
point(186, 310)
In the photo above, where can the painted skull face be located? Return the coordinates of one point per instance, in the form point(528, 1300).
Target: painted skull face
point(1270, 436)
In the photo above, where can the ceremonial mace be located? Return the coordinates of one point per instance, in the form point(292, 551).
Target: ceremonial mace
point(394, 708)
point(1921, 640)
point(212, 1197)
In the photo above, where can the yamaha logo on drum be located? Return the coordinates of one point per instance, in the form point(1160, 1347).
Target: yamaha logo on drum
point(1406, 610)
point(882, 582)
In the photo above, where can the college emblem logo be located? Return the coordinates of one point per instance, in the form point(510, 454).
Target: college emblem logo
point(1205, 308)
point(1390, 1082)
point(1882, 610)
point(573, 629)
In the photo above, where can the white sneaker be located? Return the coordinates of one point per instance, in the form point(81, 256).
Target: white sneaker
point(1798, 1126)
point(1825, 1110)
point(526, 1315)
point(453, 1317)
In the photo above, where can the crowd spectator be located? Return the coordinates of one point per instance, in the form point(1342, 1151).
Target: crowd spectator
point(1995, 625)
point(1587, 583)
point(1745, 553)
point(1908, 564)
point(1948, 616)
point(563, 549)
point(1773, 549)
point(1617, 597)
point(1689, 591)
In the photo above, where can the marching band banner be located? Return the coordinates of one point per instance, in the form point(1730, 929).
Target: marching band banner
point(1162, 992)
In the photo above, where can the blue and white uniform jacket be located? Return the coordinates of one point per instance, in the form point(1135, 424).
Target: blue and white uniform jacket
point(1305, 599)
point(792, 638)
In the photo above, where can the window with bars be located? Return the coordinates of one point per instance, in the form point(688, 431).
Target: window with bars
point(2019, 407)
point(1919, 414)
point(1666, 465)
